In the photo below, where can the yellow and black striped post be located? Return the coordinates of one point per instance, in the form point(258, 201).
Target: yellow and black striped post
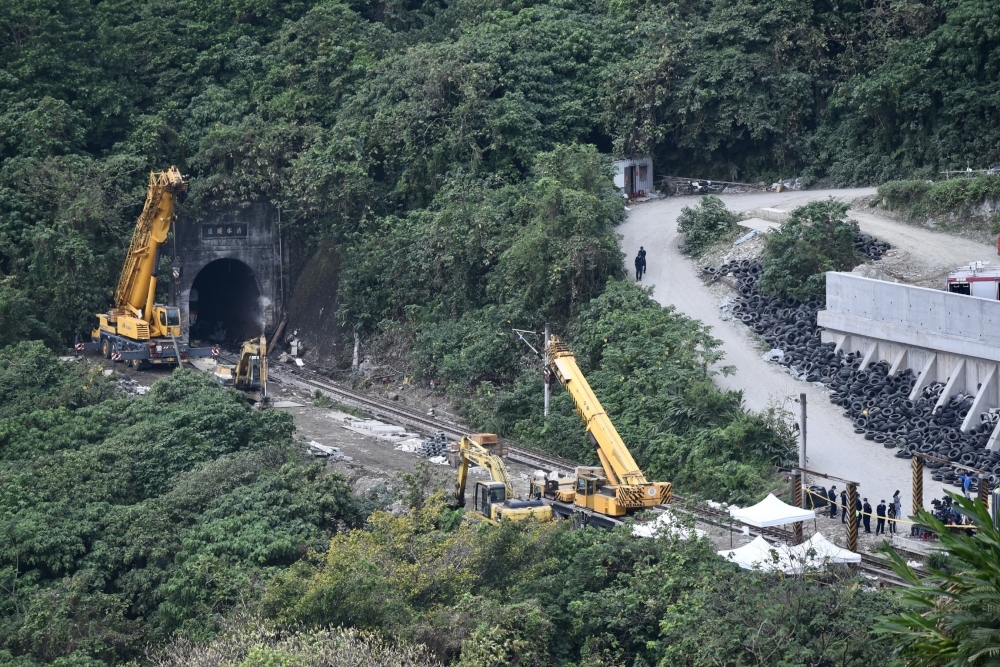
point(918, 484)
point(984, 490)
point(797, 494)
point(852, 524)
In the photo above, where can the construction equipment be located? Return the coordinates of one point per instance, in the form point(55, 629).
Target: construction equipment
point(618, 486)
point(249, 373)
point(493, 500)
point(137, 330)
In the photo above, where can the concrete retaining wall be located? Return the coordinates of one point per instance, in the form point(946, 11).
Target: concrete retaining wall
point(943, 337)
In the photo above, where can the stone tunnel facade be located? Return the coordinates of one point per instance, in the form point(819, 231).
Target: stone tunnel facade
point(230, 274)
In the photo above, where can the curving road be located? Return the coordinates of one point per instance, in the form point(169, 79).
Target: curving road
point(833, 447)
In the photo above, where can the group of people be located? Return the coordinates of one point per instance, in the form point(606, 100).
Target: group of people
point(883, 513)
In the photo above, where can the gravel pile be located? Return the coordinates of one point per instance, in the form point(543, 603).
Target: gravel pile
point(876, 402)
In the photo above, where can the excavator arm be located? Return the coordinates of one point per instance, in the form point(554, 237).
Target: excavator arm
point(476, 453)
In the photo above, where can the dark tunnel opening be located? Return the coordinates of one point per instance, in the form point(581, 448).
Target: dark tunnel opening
point(225, 304)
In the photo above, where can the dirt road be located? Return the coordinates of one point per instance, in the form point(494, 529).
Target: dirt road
point(832, 446)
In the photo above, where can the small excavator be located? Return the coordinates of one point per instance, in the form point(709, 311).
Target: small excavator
point(598, 495)
point(136, 330)
point(493, 500)
point(249, 373)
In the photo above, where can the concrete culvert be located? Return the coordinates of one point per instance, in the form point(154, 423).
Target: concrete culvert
point(225, 303)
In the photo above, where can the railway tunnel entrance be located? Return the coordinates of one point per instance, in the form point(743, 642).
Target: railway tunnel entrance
point(224, 303)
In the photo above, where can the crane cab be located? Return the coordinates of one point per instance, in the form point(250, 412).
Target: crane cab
point(593, 493)
point(490, 501)
point(168, 320)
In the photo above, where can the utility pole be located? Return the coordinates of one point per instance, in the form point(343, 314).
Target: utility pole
point(802, 429)
point(548, 387)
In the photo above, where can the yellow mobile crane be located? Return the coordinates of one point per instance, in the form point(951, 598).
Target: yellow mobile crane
point(493, 500)
point(137, 330)
point(618, 487)
point(249, 373)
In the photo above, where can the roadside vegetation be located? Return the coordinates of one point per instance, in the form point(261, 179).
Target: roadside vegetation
point(815, 238)
point(966, 198)
point(705, 225)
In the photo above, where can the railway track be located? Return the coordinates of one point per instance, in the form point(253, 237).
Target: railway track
point(429, 425)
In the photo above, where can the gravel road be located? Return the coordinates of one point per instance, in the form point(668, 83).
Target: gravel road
point(833, 447)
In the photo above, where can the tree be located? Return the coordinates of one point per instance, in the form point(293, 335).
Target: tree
point(813, 240)
point(952, 617)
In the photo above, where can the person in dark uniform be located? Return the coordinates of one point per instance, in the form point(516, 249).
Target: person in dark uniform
point(640, 263)
point(880, 518)
point(892, 518)
point(857, 509)
point(832, 496)
point(843, 506)
point(867, 516)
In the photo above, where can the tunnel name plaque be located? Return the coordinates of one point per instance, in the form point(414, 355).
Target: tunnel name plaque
point(236, 230)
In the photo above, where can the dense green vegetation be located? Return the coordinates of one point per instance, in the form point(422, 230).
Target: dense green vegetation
point(366, 120)
point(813, 240)
point(132, 519)
point(919, 199)
point(705, 224)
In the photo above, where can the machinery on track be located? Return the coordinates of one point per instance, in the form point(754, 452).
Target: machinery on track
point(493, 500)
point(598, 495)
point(137, 330)
point(249, 373)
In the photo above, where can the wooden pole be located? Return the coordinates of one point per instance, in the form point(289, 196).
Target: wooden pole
point(852, 524)
point(797, 493)
point(918, 484)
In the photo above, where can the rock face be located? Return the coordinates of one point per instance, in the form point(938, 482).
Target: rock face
point(312, 310)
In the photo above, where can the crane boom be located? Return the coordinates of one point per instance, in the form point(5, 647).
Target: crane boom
point(631, 488)
point(137, 284)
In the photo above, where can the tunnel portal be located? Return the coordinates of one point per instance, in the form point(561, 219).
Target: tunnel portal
point(224, 303)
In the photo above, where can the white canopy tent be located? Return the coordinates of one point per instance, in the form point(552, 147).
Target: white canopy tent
point(771, 512)
point(824, 552)
point(790, 560)
point(767, 557)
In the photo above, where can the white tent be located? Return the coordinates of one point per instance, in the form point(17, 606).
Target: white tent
point(665, 524)
point(824, 551)
point(767, 557)
point(771, 512)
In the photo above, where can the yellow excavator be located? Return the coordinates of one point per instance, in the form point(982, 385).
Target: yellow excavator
point(137, 330)
point(249, 373)
point(493, 500)
point(618, 487)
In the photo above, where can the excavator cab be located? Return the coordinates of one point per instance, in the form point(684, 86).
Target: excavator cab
point(487, 495)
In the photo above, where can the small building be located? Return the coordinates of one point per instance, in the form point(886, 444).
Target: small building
point(634, 176)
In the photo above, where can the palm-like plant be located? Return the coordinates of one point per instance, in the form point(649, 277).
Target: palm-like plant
point(952, 618)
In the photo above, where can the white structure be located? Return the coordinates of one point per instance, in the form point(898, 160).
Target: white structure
point(771, 512)
point(634, 177)
point(814, 554)
point(942, 336)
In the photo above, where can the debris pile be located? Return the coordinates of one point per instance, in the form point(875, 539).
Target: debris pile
point(433, 446)
point(332, 453)
point(128, 388)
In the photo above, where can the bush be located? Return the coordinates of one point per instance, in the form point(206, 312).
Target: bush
point(705, 225)
point(813, 240)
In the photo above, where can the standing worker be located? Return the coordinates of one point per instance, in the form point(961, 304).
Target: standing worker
point(892, 518)
point(880, 516)
point(843, 506)
point(640, 263)
point(832, 496)
point(867, 516)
